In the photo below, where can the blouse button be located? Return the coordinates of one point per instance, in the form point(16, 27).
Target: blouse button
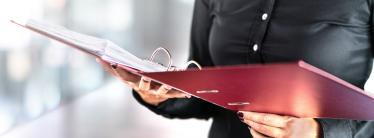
point(255, 47)
point(264, 16)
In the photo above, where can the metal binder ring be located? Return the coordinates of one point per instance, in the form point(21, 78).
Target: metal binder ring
point(193, 62)
point(167, 53)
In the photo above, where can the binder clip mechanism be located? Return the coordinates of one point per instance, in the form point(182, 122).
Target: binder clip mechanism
point(169, 66)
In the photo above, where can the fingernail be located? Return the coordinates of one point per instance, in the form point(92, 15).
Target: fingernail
point(114, 66)
point(188, 96)
point(146, 80)
point(167, 88)
point(240, 114)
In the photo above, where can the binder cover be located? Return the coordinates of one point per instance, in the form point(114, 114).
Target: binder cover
point(295, 89)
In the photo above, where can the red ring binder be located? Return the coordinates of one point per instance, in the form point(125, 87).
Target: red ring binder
point(294, 89)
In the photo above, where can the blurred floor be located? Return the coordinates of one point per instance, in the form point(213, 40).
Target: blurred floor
point(109, 112)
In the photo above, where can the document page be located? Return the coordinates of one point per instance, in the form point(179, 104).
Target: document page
point(103, 48)
point(84, 42)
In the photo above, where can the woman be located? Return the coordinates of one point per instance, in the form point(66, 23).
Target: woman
point(334, 35)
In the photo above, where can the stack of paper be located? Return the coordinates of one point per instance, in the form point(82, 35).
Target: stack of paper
point(98, 47)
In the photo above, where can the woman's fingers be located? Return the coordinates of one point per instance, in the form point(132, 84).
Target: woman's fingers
point(255, 134)
point(151, 92)
point(267, 119)
point(266, 130)
point(145, 84)
point(167, 92)
point(178, 94)
point(280, 126)
point(125, 75)
point(106, 66)
point(163, 90)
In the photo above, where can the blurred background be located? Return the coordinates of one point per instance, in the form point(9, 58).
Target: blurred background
point(48, 90)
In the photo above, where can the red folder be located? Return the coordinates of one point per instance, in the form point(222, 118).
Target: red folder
point(294, 89)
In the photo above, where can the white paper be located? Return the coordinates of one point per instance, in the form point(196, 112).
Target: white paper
point(100, 47)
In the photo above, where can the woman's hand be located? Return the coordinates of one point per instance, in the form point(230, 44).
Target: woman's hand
point(271, 125)
point(150, 92)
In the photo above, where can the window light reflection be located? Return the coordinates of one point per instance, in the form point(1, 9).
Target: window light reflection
point(6, 119)
point(33, 99)
point(18, 64)
point(6, 122)
point(54, 55)
point(12, 36)
point(84, 72)
point(51, 96)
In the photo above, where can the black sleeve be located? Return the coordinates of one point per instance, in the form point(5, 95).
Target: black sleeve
point(193, 107)
point(336, 128)
point(372, 27)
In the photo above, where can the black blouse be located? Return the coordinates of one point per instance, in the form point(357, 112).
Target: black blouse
point(334, 35)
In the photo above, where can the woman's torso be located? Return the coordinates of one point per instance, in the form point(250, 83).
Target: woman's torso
point(334, 35)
